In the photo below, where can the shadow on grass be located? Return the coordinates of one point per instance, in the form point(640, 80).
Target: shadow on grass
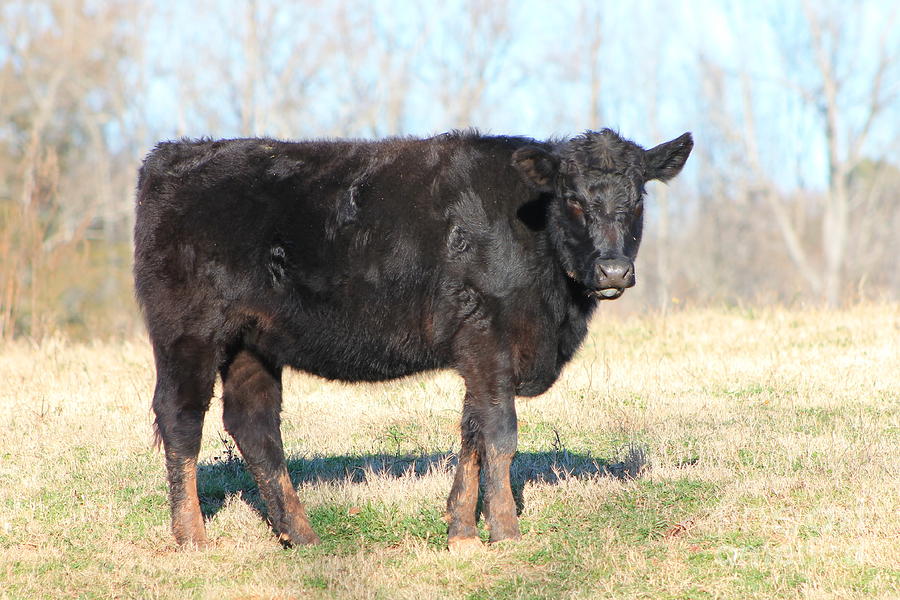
point(225, 475)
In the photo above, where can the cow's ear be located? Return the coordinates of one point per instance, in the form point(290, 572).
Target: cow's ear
point(665, 161)
point(537, 166)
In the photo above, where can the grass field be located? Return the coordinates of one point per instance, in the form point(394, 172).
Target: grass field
point(705, 454)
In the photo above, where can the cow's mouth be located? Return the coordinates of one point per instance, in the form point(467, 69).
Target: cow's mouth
point(609, 293)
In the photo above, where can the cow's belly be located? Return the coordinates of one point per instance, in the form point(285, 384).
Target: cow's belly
point(361, 359)
point(353, 343)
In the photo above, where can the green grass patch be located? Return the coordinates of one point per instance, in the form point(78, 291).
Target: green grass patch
point(641, 512)
point(347, 529)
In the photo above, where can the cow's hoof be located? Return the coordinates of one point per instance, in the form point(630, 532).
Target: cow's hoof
point(464, 545)
point(505, 541)
point(308, 538)
point(195, 543)
point(191, 536)
point(499, 537)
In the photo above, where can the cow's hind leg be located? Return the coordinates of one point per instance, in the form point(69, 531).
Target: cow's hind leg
point(185, 372)
point(251, 412)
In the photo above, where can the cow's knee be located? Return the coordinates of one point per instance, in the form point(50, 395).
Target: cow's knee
point(501, 429)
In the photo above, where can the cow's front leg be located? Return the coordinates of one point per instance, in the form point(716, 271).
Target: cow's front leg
point(499, 440)
point(463, 499)
point(489, 439)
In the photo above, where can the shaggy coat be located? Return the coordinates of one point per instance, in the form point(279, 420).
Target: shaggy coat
point(372, 260)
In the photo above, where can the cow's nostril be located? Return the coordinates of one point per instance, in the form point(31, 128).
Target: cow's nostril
point(615, 273)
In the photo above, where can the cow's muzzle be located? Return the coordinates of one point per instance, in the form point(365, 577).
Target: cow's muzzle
point(613, 276)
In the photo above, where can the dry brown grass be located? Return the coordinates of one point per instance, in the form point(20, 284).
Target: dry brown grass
point(765, 445)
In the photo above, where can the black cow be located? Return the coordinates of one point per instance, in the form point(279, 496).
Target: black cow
point(367, 261)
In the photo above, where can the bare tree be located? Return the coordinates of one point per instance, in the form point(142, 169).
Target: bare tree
point(474, 58)
point(591, 18)
point(64, 88)
point(845, 139)
point(376, 65)
point(824, 51)
point(850, 102)
point(258, 78)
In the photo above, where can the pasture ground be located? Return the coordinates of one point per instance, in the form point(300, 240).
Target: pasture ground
point(726, 453)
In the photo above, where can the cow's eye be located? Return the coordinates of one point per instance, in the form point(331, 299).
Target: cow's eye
point(623, 215)
point(575, 209)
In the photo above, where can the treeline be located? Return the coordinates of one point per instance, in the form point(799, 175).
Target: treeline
point(792, 194)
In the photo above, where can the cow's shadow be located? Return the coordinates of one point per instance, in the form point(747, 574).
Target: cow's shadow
point(226, 476)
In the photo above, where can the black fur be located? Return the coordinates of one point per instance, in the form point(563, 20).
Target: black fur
point(367, 261)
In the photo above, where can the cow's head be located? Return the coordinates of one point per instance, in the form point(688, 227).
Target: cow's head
point(595, 220)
